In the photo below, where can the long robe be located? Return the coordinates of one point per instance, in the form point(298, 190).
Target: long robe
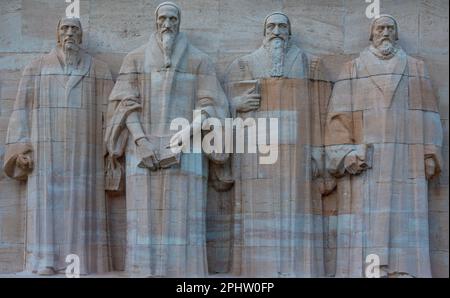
point(59, 118)
point(166, 209)
point(277, 208)
point(386, 113)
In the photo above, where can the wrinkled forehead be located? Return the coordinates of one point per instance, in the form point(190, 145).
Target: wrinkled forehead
point(168, 11)
point(70, 22)
point(277, 19)
point(384, 22)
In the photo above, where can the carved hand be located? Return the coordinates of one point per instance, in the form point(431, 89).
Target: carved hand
point(353, 164)
point(247, 102)
point(430, 168)
point(147, 155)
point(25, 162)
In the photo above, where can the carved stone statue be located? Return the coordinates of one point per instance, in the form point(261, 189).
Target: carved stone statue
point(384, 138)
point(278, 219)
point(54, 141)
point(165, 79)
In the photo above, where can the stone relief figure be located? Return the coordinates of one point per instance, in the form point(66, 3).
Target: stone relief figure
point(165, 79)
point(54, 141)
point(383, 138)
point(277, 207)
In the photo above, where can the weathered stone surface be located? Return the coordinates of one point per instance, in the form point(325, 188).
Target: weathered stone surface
point(383, 206)
point(65, 207)
point(225, 30)
point(276, 206)
point(165, 79)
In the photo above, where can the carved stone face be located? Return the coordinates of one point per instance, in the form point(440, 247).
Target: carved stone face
point(277, 26)
point(69, 33)
point(276, 42)
point(167, 20)
point(384, 30)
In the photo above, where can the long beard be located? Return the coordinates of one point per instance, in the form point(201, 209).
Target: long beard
point(277, 51)
point(167, 44)
point(71, 56)
point(385, 47)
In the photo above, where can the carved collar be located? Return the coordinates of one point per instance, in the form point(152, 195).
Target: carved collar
point(385, 74)
point(52, 66)
point(376, 66)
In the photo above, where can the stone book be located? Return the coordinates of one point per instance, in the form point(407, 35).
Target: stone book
point(167, 158)
point(164, 154)
point(242, 87)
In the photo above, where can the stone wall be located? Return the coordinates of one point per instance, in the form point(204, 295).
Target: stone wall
point(225, 29)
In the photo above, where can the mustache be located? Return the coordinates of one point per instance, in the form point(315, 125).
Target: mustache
point(70, 39)
point(381, 39)
point(272, 37)
point(167, 30)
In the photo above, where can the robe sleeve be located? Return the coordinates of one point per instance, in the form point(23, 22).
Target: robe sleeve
point(211, 98)
point(319, 92)
point(124, 99)
point(212, 102)
point(18, 140)
point(343, 126)
point(422, 97)
point(433, 134)
point(104, 84)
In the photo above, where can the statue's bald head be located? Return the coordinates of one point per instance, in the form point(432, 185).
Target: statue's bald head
point(168, 16)
point(69, 31)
